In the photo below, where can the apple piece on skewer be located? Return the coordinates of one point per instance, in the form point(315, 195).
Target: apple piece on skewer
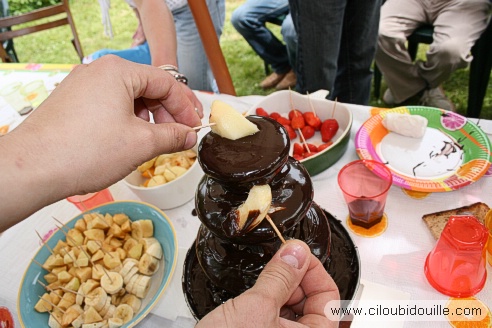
point(229, 123)
point(250, 213)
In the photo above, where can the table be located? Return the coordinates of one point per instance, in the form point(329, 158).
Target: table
point(391, 264)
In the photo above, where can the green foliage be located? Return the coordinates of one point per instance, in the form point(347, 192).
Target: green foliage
point(246, 68)
point(21, 6)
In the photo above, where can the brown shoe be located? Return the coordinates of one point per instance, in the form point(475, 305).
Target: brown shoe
point(289, 81)
point(271, 80)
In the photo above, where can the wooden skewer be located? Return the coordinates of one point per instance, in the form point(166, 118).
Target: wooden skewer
point(311, 105)
point(149, 173)
point(303, 140)
point(203, 126)
point(51, 314)
point(53, 305)
point(45, 244)
point(62, 288)
point(275, 228)
point(102, 249)
point(83, 250)
point(36, 262)
point(334, 107)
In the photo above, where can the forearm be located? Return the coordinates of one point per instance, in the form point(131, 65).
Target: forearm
point(28, 182)
point(158, 25)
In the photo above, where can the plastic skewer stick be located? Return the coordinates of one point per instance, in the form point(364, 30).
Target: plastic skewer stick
point(275, 228)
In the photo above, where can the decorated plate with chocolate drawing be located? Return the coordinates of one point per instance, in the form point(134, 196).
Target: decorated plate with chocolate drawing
point(452, 153)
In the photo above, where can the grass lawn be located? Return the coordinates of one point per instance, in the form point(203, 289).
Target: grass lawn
point(247, 69)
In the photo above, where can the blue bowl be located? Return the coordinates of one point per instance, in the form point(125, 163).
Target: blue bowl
point(30, 289)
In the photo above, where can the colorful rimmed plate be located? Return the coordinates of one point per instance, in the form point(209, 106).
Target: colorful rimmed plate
point(453, 153)
point(30, 289)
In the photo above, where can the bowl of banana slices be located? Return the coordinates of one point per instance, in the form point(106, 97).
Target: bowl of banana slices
point(107, 267)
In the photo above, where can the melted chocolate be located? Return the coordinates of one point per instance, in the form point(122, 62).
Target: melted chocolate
point(235, 267)
point(250, 160)
point(203, 296)
point(292, 194)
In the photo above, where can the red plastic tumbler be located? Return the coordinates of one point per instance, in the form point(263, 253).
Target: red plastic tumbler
point(457, 265)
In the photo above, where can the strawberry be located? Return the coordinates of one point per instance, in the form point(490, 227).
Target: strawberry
point(298, 149)
point(298, 157)
point(307, 132)
point(312, 148)
point(297, 122)
point(294, 113)
point(307, 154)
point(328, 129)
point(290, 131)
point(261, 112)
point(282, 120)
point(324, 146)
point(312, 120)
point(274, 115)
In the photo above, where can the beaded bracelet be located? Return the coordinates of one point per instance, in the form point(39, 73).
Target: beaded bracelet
point(173, 70)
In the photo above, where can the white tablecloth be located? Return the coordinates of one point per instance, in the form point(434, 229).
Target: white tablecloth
point(395, 259)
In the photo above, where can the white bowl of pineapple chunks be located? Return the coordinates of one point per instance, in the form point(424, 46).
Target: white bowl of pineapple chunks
point(132, 248)
point(167, 181)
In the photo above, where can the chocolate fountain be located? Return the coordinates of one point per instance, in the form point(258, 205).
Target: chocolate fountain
point(225, 262)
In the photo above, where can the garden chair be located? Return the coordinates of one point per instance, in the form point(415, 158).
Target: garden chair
point(33, 17)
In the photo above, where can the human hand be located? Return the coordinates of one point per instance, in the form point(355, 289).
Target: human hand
point(291, 291)
point(89, 133)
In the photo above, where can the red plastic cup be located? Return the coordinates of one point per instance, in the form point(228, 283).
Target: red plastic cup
point(88, 201)
point(457, 266)
point(365, 185)
point(488, 225)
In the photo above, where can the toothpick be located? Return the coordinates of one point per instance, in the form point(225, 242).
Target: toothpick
point(53, 305)
point(149, 173)
point(204, 126)
point(167, 169)
point(51, 314)
point(36, 262)
point(334, 107)
point(311, 105)
point(45, 244)
point(303, 140)
point(62, 288)
point(275, 228)
point(82, 203)
point(102, 249)
point(86, 254)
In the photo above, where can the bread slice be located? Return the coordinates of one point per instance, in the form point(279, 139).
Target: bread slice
point(437, 221)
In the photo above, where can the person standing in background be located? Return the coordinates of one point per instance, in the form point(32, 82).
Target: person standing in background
point(457, 25)
point(172, 38)
point(336, 46)
point(250, 20)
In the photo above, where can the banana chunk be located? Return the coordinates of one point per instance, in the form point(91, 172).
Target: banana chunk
point(112, 282)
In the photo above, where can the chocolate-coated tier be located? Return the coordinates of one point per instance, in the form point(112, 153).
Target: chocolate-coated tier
point(235, 267)
point(343, 265)
point(292, 194)
point(252, 159)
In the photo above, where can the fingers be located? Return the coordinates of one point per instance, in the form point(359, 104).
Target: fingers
point(283, 274)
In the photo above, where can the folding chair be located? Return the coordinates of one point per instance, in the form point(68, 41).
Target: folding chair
point(33, 16)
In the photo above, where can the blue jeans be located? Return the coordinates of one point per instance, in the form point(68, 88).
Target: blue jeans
point(336, 46)
point(192, 60)
point(249, 20)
